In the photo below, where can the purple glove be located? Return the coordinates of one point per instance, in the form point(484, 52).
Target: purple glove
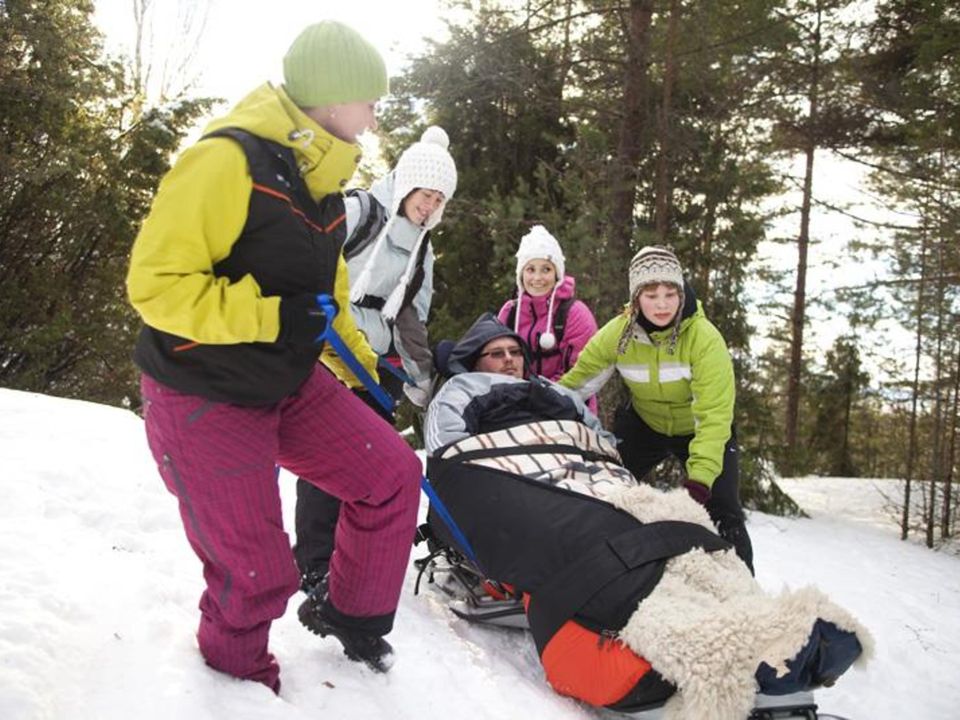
point(698, 491)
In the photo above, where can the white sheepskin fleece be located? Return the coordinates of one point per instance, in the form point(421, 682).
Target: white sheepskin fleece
point(708, 624)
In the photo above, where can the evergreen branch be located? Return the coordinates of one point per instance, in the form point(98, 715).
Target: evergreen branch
point(865, 221)
point(873, 285)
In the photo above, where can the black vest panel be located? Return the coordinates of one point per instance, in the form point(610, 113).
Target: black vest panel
point(289, 245)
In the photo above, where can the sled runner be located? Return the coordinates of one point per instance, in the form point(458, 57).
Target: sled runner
point(472, 597)
point(540, 547)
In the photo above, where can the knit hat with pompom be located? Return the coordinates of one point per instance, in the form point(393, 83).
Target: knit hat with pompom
point(539, 244)
point(426, 164)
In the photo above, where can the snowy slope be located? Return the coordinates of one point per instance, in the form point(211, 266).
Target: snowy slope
point(98, 593)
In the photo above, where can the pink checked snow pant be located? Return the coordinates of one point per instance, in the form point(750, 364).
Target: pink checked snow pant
point(219, 460)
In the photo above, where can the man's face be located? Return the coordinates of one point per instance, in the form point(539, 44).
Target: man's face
point(502, 355)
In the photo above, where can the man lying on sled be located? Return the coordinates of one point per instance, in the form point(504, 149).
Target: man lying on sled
point(632, 598)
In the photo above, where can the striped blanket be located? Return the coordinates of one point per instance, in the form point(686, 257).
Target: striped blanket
point(564, 453)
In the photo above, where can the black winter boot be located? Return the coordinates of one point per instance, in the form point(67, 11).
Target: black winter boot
point(311, 580)
point(319, 616)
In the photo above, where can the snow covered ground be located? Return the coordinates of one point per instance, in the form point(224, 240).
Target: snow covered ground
point(98, 594)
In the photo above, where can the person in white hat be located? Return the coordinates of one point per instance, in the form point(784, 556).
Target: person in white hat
point(545, 312)
point(390, 258)
point(678, 370)
point(390, 261)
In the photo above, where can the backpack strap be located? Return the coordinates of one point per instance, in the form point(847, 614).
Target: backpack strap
point(560, 318)
point(420, 274)
point(373, 216)
point(269, 159)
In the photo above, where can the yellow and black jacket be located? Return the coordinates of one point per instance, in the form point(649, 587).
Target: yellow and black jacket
point(250, 214)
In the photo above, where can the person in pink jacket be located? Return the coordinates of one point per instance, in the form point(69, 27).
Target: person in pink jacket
point(545, 313)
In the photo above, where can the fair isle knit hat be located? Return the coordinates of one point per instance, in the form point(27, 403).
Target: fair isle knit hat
point(331, 63)
point(426, 164)
point(652, 265)
point(539, 244)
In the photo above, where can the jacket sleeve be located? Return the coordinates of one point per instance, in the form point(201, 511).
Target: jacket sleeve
point(346, 328)
point(197, 215)
point(713, 387)
point(410, 340)
point(597, 360)
point(504, 313)
point(445, 422)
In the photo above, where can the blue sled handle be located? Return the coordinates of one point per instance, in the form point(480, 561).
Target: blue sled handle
point(325, 302)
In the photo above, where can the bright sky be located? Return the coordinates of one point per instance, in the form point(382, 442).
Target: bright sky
point(243, 42)
point(98, 601)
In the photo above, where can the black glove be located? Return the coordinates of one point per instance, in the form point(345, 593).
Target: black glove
point(302, 321)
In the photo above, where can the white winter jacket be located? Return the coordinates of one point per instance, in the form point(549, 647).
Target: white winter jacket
point(390, 261)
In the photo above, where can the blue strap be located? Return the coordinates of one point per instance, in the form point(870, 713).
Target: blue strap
point(395, 371)
point(331, 336)
point(441, 510)
point(325, 302)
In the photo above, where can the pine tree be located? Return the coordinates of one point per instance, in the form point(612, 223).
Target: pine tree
point(77, 175)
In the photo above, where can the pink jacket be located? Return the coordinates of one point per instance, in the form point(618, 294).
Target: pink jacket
point(531, 323)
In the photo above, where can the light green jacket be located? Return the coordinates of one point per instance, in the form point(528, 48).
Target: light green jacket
point(688, 392)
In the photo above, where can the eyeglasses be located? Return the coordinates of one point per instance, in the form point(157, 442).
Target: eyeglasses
point(501, 353)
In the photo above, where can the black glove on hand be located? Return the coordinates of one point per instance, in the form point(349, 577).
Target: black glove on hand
point(301, 320)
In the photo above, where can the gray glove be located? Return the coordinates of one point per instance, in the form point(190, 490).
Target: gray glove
point(418, 394)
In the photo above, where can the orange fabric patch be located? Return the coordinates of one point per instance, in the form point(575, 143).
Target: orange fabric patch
point(580, 664)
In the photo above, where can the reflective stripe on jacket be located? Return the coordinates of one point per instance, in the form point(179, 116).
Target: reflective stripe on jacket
point(688, 392)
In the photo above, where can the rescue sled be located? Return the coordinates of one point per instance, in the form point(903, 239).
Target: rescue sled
point(546, 555)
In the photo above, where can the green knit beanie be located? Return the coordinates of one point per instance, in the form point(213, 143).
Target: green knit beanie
point(332, 63)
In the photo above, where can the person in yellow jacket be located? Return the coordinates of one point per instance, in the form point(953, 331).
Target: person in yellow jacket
point(243, 236)
point(679, 373)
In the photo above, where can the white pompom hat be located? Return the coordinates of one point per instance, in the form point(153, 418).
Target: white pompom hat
point(539, 244)
point(426, 164)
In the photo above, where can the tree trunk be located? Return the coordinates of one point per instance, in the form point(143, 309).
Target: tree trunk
point(705, 261)
point(912, 445)
point(946, 523)
point(936, 462)
point(629, 145)
point(797, 317)
point(663, 127)
point(845, 462)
